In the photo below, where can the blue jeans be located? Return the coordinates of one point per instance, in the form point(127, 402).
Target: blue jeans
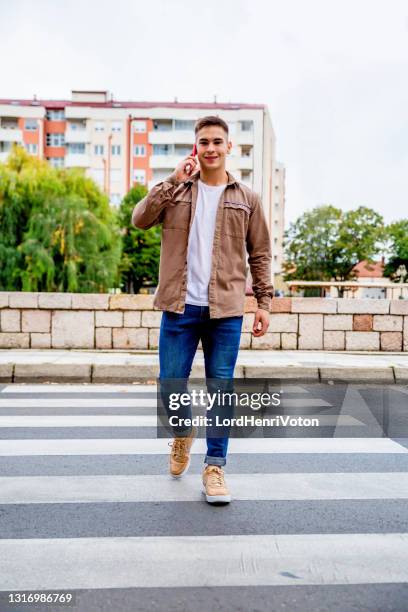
point(179, 338)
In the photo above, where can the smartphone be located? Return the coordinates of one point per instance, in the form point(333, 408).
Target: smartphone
point(192, 154)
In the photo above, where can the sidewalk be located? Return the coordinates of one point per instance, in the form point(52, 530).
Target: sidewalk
point(45, 365)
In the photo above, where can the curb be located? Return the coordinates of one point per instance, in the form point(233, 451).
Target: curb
point(136, 373)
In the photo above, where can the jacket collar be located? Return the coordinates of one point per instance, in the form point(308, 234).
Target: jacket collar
point(194, 178)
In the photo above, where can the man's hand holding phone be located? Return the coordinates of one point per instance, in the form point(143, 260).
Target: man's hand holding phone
point(186, 167)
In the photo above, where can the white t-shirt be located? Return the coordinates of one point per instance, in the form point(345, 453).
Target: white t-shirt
point(200, 243)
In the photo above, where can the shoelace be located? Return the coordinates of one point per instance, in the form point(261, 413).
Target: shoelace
point(178, 448)
point(217, 477)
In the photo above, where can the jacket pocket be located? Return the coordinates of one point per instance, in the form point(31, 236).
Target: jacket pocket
point(236, 216)
point(177, 215)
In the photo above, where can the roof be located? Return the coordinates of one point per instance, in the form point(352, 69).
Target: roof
point(132, 104)
point(365, 269)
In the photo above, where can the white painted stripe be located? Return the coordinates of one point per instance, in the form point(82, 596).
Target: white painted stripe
point(130, 420)
point(114, 402)
point(102, 420)
point(133, 446)
point(118, 402)
point(96, 563)
point(45, 388)
point(293, 389)
point(299, 402)
point(163, 488)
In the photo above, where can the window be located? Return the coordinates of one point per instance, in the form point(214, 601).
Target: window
point(161, 173)
point(246, 176)
point(246, 151)
point(183, 150)
point(116, 149)
point(77, 126)
point(162, 149)
point(139, 176)
point(139, 150)
point(55, 114)
point(56, 162)
point(31, 148)
point(116, 126)
point(31, 124)
point(55, 139)
point(139, 126)
point(98, 149)
point(277, 205)
point(163, 125)
point(5, 147)
point(8, 123)
point(246, 126)
point(99, 126)
point(275, 240)
point(184, 124)
point(115, 198)
point(77, 148)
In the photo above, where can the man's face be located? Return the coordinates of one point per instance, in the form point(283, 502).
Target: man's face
point(212, 147)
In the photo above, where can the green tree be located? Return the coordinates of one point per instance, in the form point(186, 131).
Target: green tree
point(57, 230)
point(326, 243)
point(398, 236)
point(139, 265)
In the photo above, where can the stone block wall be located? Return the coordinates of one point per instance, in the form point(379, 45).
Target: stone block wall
point(121, 321)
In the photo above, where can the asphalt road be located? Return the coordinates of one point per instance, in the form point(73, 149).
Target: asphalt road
point(318, 522)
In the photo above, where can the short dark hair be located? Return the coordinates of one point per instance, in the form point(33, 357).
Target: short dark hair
point(210, 120)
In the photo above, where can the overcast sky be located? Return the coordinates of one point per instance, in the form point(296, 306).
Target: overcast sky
point(334, 75)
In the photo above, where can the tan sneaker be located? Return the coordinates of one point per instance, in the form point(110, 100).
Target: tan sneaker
point(179, 459)
point(215, 489)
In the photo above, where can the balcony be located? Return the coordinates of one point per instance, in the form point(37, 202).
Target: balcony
point(244, 138)
point(172, 137)
point(245, 163)
point(11, 135)
point(77, 160)
point(77, 135)
point(165, 161)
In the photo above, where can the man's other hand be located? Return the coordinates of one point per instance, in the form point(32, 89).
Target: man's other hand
point(261, 322)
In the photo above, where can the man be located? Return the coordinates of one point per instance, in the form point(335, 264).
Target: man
point(209, 221)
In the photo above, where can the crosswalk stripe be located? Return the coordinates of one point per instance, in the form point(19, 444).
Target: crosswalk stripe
point(131, 420)
point(162, 488)
point(118, 402)
point(73, 388)
point(41, 389)
point(112, 403)
point(197, 561)
point(129, 446)
point(303, 402)
point(80, 420)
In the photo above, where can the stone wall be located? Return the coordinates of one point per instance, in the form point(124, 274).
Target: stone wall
point(120, 321)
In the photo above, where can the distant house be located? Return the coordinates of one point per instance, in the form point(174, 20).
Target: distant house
point(369, 272)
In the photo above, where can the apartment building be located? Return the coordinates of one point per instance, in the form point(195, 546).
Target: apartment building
point(277, 221)
point(121, 143)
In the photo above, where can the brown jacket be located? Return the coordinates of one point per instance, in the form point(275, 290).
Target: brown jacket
point(240, 226)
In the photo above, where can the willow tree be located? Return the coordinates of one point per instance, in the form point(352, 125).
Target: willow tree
point(57, 229)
